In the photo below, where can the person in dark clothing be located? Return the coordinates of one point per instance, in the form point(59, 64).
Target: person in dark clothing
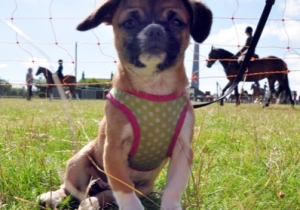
point(242, 52)
point(59, 70)
point(29, 83)
point(295, 96)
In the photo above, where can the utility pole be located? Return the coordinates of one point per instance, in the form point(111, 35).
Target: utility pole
point(195, 73)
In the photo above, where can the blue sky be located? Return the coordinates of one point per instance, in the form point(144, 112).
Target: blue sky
point(32, 17)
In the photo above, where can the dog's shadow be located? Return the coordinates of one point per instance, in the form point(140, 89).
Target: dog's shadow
point(152, 202)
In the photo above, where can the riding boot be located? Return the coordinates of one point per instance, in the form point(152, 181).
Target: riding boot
point(61, 77)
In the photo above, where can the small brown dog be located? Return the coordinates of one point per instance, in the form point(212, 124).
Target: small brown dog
point(148, 116)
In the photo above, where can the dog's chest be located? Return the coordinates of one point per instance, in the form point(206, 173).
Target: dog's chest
point(156, 122)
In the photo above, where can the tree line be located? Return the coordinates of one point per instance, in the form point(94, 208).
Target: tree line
point(40, 88)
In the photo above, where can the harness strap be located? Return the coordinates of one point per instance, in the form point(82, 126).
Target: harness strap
point(250, 52)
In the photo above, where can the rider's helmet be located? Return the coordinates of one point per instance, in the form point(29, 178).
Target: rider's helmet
point(60, 61)
point(248, 30)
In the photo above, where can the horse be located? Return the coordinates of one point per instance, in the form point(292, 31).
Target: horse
point(67, 80)
point(258, 93)
point(270, 67)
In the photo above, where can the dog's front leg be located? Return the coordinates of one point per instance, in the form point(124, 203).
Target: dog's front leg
point(179, 172)
point(117, 147)
point(180, 168)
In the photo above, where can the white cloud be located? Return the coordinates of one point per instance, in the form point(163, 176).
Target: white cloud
point(31, 1)
point(290, 8)
point(241, 1)
point(37, 62)
point(229, 36)
point(3, 65)
point(287, 31)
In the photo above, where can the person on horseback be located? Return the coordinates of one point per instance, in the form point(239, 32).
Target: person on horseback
point(241, 54)
point(60, 69)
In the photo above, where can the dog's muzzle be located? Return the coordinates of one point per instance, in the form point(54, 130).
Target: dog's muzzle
point(153, 39)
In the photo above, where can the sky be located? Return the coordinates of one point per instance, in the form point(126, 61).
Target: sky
point(51, 25)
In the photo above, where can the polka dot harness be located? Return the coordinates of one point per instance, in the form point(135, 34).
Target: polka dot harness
point(156, 122)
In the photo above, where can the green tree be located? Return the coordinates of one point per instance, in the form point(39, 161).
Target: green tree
point(5, 87)
point(40, 84)
point(95, 83)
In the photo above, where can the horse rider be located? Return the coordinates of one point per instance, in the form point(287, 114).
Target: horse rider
point(241, 54)
point(60, 69)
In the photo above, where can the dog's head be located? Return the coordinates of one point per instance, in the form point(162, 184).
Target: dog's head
point(152, 33)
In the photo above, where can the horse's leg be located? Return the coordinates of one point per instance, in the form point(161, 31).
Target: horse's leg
point(271, 82)
point(71, 93)
point(288, 91)
point(237, 98)
point(70, 96)
point(223, 92)
point(76, 94)
point(279, 93)
point(50, 93)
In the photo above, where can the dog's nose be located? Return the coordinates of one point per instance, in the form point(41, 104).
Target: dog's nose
point(154, 33)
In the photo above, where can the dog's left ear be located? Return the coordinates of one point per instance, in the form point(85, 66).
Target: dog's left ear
point(201, 20)
point(102, 14)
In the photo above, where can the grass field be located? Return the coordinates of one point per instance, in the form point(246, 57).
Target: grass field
point(245, 157)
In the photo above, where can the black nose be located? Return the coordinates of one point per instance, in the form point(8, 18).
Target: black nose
point(154, 33)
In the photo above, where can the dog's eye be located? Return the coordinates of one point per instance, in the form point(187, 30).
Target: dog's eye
point(176, 23)
point(129, 24)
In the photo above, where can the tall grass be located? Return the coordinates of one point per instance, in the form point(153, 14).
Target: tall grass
point(244, 157)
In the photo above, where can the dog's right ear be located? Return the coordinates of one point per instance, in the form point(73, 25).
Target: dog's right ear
point(102, 14)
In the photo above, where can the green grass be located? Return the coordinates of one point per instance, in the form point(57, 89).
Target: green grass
point(244, 158)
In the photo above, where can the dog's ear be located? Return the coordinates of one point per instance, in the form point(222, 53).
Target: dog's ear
point(102, 14)
point(201, 20)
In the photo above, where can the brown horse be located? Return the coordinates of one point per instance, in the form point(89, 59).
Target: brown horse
point(271, 67)
point(68, 80)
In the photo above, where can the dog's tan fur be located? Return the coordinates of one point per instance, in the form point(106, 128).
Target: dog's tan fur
point(111, 148)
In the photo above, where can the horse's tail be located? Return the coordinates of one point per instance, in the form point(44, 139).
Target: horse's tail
point(287, 78)
point(287, 71)
point(285, 65)
point(285, 84)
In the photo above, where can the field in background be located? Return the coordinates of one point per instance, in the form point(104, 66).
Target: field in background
point(245, 157)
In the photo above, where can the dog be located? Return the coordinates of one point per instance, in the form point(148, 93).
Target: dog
point(149, 119)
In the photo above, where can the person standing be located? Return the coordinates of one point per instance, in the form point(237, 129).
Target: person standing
point(60, 69)
point(295, 96)
point(29, 83)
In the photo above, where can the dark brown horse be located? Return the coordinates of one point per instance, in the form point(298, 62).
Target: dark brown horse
point(68, 80)
point(271, 67)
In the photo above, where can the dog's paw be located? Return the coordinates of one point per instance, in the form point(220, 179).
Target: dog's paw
point(170, 201)
point(128, 201)
point(50, 199)
point(171, 206)
point(91, 203)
